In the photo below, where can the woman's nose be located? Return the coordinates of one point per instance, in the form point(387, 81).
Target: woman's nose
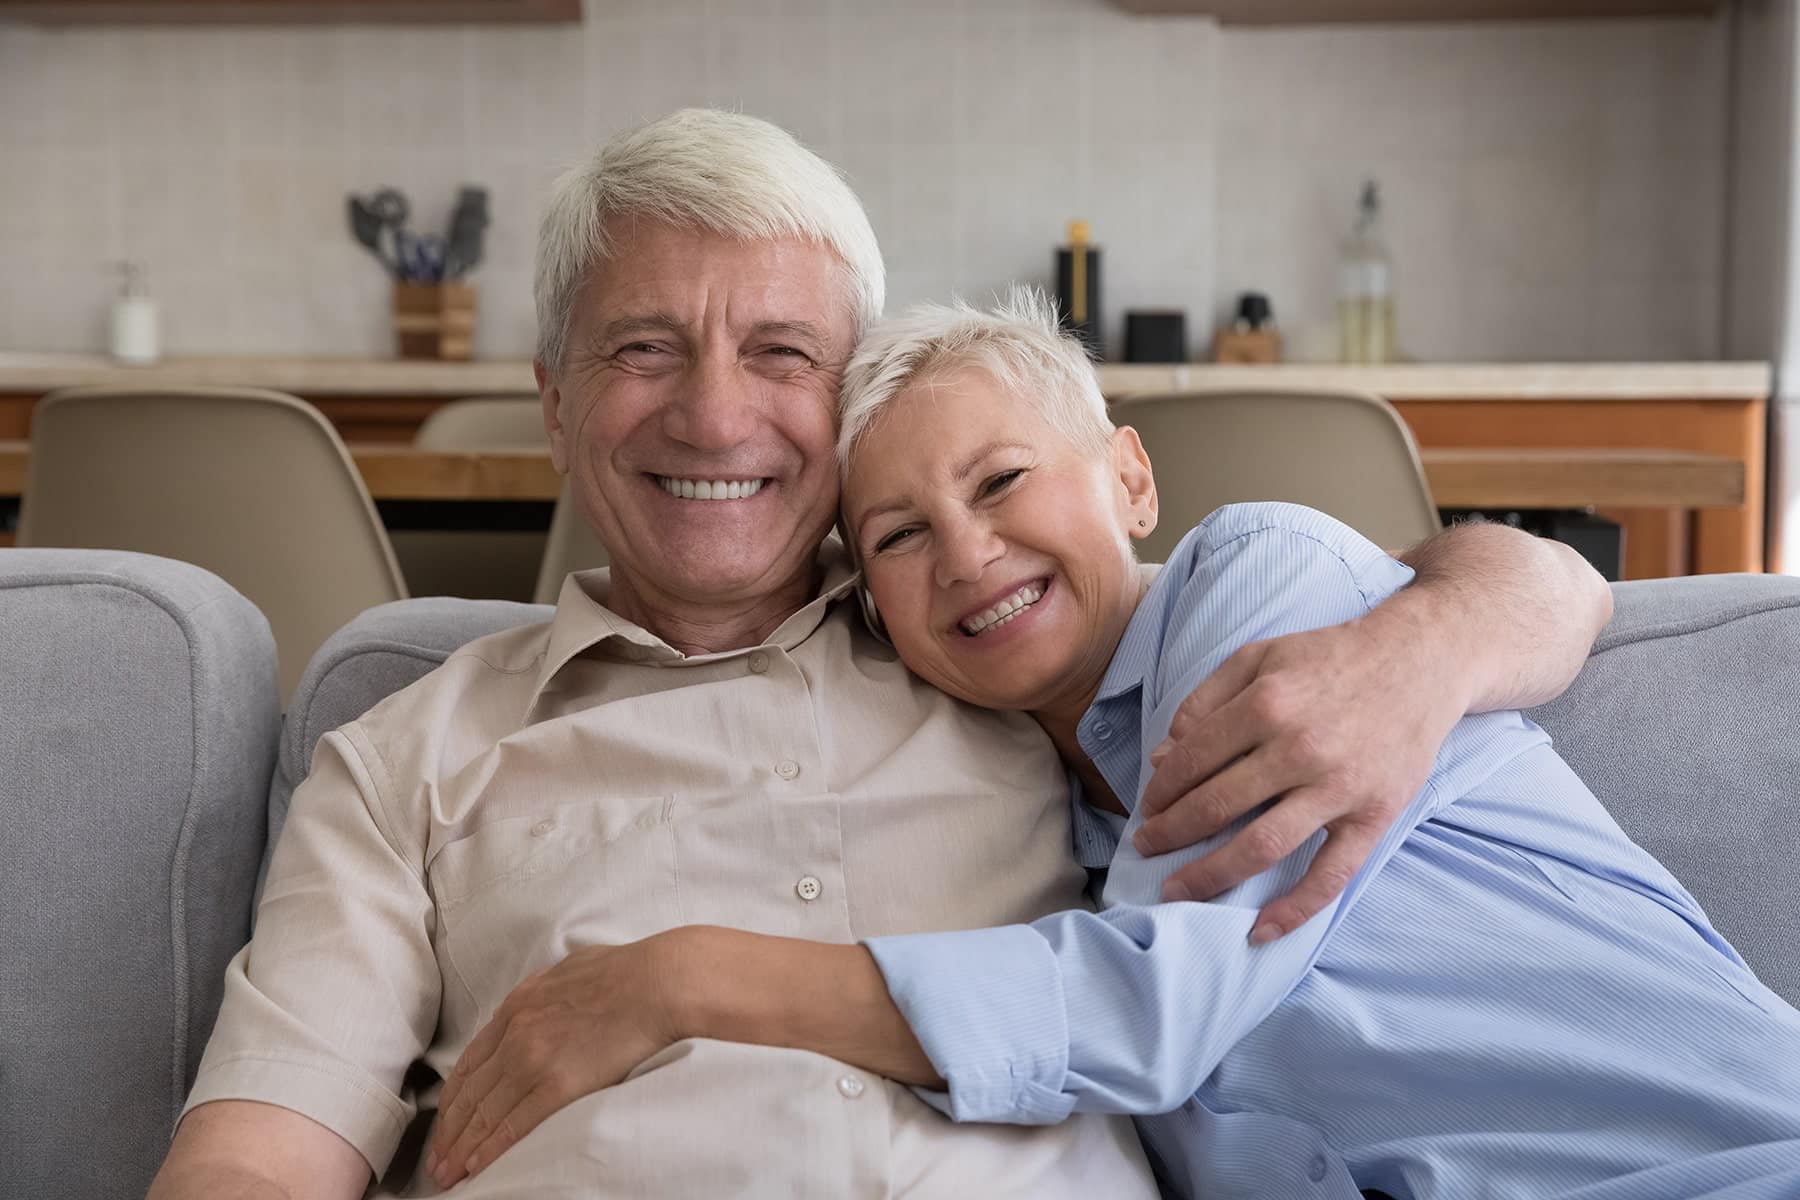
point(965, 549)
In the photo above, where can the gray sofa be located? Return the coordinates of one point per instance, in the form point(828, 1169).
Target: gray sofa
point(144, 769)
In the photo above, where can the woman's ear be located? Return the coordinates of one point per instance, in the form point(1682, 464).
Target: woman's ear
point(1137, 484)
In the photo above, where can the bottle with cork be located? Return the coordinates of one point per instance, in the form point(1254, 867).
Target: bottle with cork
point(1366, 288)
point(1078, 288)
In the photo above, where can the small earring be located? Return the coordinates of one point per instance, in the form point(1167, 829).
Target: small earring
point(1141, 524)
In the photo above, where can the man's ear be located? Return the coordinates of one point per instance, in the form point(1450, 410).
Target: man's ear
point(550, 395)
point(1137, 484)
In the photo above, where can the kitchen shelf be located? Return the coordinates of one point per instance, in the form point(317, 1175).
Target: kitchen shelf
point(1329, 12)
point(288, 12)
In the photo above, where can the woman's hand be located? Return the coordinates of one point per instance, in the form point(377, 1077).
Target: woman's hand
point(568, 1031)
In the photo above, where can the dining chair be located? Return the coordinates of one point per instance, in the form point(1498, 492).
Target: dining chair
point(485, 423)
point(1345, 453)
point(476, 563)
point(255, 486)
point(571, 546)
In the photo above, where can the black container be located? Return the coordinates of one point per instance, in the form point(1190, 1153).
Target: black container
point(1078, 294)
point(1156, 337)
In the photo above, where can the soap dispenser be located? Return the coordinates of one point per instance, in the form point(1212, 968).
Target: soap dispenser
point(1366, 288)
point(135, 336)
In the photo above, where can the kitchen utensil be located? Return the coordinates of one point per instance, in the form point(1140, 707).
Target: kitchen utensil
point(422, 257)
point(467, 221)
point(366, 226)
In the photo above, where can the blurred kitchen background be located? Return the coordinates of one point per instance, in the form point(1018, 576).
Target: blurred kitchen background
point(1586, 223)
point(1553, 190)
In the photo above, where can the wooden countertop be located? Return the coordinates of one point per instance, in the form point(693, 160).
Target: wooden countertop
point(1458, 478)
point(27, 373)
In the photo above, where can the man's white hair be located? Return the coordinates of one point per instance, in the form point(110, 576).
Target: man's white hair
point(1018, 342)
point(724, 172)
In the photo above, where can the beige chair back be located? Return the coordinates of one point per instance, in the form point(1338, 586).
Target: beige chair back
point(255, 486)
point(485, 423)
point(572, 546)
point(477, 564)
point(1345, 453)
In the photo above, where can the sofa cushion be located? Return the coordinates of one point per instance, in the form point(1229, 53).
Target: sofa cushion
point(138, 721)
point(383, 650)
point(1686, 724)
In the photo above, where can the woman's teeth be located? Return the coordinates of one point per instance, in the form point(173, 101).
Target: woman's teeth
point(710, 489)
point(1004, 611)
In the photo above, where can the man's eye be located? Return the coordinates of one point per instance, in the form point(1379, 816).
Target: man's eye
point(999, 483)
point(641, 349)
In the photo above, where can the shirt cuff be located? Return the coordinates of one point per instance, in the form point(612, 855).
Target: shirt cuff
point(987, 1007)
point(371, 1121)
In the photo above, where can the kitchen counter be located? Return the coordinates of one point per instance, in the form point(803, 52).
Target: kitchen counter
point(39, 373)
point(1716, 410)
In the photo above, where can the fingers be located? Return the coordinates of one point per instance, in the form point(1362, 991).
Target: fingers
point(1211, 806)
point(1204, 747)
point(1255, 848)
point(532, 1110)
point(1232, 676)
point(480, 1048)
point(488, 1091)
point(1345, 850)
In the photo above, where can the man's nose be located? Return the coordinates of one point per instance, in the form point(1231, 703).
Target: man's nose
point(966, 547)
point(713, 408)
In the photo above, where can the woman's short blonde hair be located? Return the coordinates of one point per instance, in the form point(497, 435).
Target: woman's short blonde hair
point(1018, 342)
point(725, 172)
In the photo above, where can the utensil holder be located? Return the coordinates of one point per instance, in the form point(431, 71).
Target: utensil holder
point(434, 320)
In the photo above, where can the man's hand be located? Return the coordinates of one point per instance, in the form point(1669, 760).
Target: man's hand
point(566, 1032)
point(1342, 723)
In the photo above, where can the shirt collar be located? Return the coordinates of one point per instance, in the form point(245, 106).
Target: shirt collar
point(1138, 651)
point(583, 622)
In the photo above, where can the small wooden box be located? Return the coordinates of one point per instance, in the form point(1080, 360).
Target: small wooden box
point(435, 320)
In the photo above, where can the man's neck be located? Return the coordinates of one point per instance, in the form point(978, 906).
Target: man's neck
point(697, 629)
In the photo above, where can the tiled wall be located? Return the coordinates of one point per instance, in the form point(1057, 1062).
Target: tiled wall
point(1556, 190)
point(1762, 155)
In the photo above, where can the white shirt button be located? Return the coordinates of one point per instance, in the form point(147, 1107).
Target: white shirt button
point(1315, 1170)
point(808, 888)
point(759, 662)
point(787, 768)
point(543, 827)
point(1102, 730)
point(850, 1087)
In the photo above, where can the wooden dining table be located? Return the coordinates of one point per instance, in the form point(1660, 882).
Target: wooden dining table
point(1485, 479)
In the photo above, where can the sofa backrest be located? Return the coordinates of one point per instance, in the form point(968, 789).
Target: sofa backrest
point(1686, 724)
point(138, 719)
point(383, 650)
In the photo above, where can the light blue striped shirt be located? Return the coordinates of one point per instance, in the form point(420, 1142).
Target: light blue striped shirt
point(1511, 999)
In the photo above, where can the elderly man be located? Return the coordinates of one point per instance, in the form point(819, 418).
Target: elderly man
point(708, 736)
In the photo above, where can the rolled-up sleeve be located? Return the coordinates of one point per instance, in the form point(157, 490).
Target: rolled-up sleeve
point(338, 992)
point(1130, 1009)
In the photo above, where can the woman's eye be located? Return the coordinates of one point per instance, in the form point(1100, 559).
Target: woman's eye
point(999, 483)
point(893, 539)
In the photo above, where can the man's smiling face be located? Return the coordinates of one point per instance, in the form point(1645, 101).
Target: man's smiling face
point(696, 411)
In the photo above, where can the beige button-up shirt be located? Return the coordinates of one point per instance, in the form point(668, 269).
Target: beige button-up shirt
point(583, 783)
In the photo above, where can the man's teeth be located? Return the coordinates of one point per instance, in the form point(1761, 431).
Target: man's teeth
point(710, 489)
point(1004, 611)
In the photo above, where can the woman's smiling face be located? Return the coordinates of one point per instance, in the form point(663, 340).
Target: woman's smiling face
point(997, 549)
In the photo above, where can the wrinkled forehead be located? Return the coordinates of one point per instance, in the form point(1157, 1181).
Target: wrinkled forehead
point(691, 276)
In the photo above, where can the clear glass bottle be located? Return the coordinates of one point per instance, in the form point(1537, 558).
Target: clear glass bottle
point(1365, 288)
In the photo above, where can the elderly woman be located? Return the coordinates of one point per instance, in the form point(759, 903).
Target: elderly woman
point(1510, 999)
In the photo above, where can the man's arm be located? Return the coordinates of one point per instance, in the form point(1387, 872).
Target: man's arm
point(242, 1150)
point(1344, 723)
